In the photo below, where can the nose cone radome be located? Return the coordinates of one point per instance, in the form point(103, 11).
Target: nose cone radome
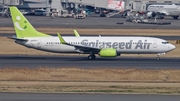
point(171, 47)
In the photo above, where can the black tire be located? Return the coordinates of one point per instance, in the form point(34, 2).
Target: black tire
point(161, 17)
point(91, 57)
point(102, 15)
point(158, 58)
point(175, 17)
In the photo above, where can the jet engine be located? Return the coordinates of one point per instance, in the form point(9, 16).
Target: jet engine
point(108, 52)
point(151, 14)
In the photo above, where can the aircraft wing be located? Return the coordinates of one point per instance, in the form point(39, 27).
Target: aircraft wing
point(86, 49)
point(163, 12)
point(79, 47)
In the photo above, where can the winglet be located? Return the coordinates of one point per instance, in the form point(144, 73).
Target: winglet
point(76, 33)
point(61, 39)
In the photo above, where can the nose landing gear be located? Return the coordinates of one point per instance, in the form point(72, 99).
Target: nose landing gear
point(158, 56)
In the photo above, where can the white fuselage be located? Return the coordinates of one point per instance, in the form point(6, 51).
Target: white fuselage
point(128, 45)
point(172, 10)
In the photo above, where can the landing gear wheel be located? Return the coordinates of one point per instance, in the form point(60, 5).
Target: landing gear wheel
point(158, 58)
point(92, 57)
point(161, 17)
point(176, 17)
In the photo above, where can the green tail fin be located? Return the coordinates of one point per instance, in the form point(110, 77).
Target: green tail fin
point(22, 26)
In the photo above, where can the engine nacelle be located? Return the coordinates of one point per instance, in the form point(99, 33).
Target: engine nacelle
point(108, 52)
point(151, 14)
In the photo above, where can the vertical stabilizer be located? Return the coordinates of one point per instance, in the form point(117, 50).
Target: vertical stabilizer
point(22, 26)
point(116, 5)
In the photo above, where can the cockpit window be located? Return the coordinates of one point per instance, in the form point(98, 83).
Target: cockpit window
point(165, 42)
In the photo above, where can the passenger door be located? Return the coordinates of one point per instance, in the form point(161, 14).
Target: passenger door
point(155, 44)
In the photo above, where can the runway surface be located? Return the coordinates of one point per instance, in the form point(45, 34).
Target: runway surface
point(82, 62)
point(84, 97)
point(91, 22)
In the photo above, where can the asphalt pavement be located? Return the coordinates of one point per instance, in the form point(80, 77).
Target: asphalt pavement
point(84, 97)
point(80, 61)
point(92, 22)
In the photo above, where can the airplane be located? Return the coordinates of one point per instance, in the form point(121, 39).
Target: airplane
point(162, 10)
point(104, 46)
point(116, 5)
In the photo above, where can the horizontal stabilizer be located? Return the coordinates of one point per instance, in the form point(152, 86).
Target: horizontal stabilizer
point(15, 38)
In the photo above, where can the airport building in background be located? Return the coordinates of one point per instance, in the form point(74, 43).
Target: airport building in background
point(136, 5)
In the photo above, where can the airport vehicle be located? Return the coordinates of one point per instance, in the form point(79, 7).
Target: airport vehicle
point(161, 10)
point(40, 12)
point(1, 12)
point(24, 12)
point(108, 46)
point(136, 19)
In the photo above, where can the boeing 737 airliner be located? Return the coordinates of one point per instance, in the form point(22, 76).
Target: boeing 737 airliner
point(27, 36)
point(162, 10)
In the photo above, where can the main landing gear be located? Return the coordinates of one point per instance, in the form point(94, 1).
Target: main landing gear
point(92, 57)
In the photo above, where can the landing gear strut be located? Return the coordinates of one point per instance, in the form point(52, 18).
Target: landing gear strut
point(158, 58)
point(92, 57)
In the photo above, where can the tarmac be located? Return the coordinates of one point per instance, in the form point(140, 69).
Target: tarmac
point(28, 61)
point(84, 97)
point(92, 22)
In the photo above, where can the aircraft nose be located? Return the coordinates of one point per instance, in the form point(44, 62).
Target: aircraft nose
point(171, 47)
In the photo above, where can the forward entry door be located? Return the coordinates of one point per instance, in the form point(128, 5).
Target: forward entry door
point(155, 44)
